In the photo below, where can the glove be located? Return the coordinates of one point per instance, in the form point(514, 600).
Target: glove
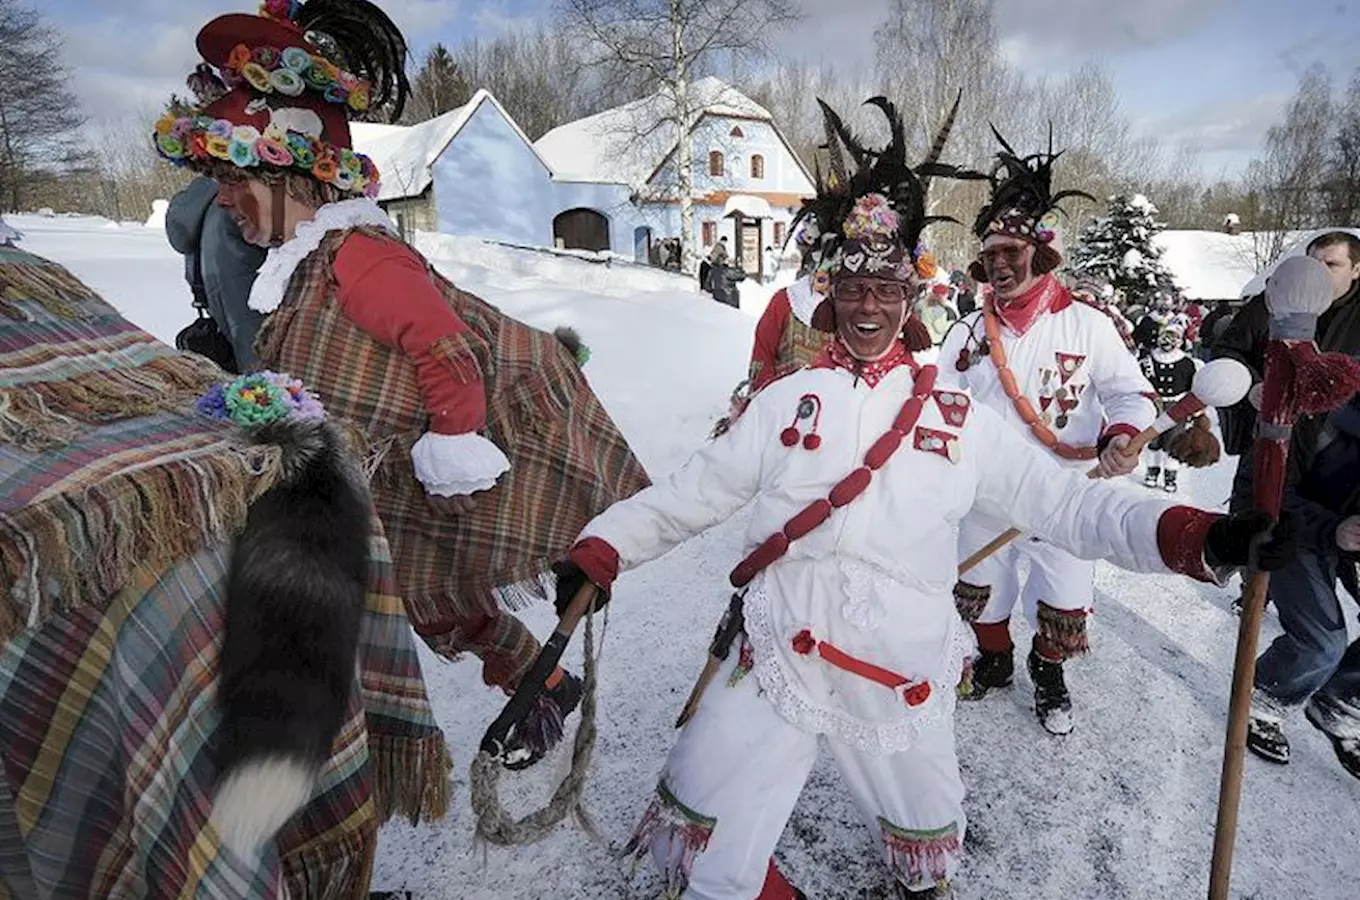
point(1195, 446)
point(570, 579)
point(1229, 541)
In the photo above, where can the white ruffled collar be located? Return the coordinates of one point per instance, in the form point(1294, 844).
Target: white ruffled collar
point(272, 281)
point(1166, 357)
point(803, 300)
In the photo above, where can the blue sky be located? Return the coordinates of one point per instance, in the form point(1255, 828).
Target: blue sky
point(1215, 72)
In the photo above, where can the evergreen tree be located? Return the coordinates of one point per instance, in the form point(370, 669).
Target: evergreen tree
point(1117, 247)
point(436, 88)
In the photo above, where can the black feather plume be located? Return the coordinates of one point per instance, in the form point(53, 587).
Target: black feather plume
point(1023, 183)
point(367, 44)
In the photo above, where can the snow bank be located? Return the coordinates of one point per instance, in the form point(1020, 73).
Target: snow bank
point(1208, 265)
point(157, 217)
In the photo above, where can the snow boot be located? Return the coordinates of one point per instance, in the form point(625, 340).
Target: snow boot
point(1169, 481)
point(1265, 728)
point(1152, 476)
point(542, 728)
point(1326, 716)
point(991, 670)
point(1052, 703)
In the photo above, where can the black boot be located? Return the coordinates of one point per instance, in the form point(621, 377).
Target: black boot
point(1052, 703)
point(1151, 477)
point(1326, 716)
point(991, 670)
point(542, 728)
point(1265, 728)
point(941, 891)
point(1169, 481)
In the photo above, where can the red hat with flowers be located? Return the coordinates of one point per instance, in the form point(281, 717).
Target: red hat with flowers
point(276, 91)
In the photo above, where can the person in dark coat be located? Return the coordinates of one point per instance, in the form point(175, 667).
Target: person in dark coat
point(1245, 341)
point(722, 283)
point(218, 264)
point(1215, 323)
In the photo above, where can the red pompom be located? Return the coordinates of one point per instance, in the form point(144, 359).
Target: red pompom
point(789, 436)
point(804, 643)
point(917, 694)
point(1324, 382)
point(962, 362)
point(812, 442)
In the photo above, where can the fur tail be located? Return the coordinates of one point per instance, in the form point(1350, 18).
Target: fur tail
point(571, 340)
point(294, 604)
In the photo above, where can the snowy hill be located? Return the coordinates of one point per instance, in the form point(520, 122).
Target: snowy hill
point(1123, 809)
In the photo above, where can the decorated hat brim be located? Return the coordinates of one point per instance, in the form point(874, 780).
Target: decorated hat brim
point(217, 39)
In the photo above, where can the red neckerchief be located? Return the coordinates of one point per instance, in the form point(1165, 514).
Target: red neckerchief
point(1020, 313)
point(835, 356)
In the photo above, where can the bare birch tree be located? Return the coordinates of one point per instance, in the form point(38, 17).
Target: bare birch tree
point(665, 45)
point(38, 114)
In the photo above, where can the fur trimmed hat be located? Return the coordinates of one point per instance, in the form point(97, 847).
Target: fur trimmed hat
point(276, 91)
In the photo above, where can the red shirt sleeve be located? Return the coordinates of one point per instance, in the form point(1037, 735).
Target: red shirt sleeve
point(769, 333)
point(386, 290)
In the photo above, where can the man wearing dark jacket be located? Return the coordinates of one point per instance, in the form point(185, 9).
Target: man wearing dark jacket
point(218, 264)
point(1312, 661)
point(1245, 341)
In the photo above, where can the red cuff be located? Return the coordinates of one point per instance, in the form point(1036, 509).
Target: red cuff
point(1114, 431)
point(1180, 539)
point(598, 560)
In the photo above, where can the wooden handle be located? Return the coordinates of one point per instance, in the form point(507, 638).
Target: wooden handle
point(578, 607)
point(1235, 749)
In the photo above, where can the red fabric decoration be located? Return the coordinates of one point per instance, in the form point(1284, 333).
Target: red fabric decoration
point(994, 637)
point(1181, 531)
point(1322, 382)
point(953, 407)
point(597, 559)
point(804, 643)
point(769, 332)
point(917, 694)
point(1020, 313)
point(789, 436)
point(1114, 431)
point(932, 440)
point(812, 442)
point(776, 886)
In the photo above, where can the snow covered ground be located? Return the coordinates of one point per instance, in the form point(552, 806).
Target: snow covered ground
point(1123, 809)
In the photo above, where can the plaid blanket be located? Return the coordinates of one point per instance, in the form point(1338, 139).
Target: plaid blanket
point(113, 553)
point(568, 460)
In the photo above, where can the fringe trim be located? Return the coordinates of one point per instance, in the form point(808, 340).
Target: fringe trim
point(685, 831)
point(411, 776)
point(64, 555)
point(971, 600)
point(50, 286)
point(44, 415)
point(920, 858)
point(336, 870)
point(1062, 631)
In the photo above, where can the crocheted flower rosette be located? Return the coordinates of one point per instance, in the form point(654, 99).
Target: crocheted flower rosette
point(261, 398)
point(184, 139)
point(872, 247)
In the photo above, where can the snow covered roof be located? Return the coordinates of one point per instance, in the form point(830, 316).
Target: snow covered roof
point(405, 154)
point(9, 235)
point(751, 207)
point(625, 145)
point(1298, 248)
point(1207, 265)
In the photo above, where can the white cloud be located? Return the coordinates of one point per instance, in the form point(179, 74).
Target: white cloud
point(1235, 127)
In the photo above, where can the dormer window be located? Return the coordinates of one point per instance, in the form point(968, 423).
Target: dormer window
point(737, 132)
point(715, 163)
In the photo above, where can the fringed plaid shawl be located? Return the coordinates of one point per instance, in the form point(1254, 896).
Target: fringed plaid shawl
point(568, 460)
point(114, 533)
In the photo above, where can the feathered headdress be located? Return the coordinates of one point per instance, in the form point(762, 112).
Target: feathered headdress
point(874, 198)
point(1022, 202)
point(277, 90)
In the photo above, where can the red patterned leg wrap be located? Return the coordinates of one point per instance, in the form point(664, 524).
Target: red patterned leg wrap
point(994, 637)
point(681, 831)
point(1062, 633)
point(919, 859)
point(971, 600)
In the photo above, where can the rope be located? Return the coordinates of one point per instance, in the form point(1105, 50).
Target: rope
point(494, 824)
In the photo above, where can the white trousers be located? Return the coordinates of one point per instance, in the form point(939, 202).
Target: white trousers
point(1160, 459)
point(1056, 578)
point(734, 776)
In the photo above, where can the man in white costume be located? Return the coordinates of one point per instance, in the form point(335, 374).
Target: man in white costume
point(1056, 371)
point(858, 468)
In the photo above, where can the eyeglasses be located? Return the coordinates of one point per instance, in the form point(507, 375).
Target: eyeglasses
point(1013, 255)
point(856, 290)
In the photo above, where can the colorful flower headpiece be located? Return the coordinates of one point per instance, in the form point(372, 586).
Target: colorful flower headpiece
point(261, 398)
point(873, 246)
point(186, 139)
point(291, 71)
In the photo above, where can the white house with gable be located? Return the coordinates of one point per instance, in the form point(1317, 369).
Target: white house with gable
point(603, 183)
point(616, 173)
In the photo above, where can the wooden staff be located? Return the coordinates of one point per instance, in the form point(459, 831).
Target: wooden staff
point(1222, 382)
point(531, 685)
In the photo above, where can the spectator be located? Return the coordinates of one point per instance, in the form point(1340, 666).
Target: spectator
point(723, 280)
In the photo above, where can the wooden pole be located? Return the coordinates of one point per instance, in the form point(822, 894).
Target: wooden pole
point(1235, 751)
